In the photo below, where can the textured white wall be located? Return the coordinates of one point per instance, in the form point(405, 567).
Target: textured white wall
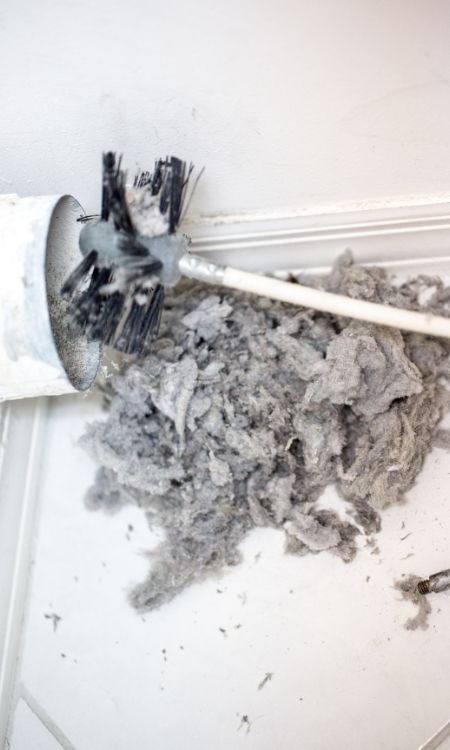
point(289, 104)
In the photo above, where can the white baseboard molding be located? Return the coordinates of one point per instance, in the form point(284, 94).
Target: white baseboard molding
point(395, 237)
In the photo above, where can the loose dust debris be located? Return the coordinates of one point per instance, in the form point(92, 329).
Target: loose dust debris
point(247, 409)
point(267, 677)
point(408, 588)
point(245, 722)
point(442, 439)
point(56, 619)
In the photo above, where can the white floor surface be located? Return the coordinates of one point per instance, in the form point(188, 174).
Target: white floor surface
point(346, 674)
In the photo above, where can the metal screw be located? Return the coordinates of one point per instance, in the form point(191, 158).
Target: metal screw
point(435, 584)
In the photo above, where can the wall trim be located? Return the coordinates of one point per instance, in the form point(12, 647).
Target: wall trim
point(390, 236)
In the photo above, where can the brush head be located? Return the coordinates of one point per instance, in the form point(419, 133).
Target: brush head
point(130, 253)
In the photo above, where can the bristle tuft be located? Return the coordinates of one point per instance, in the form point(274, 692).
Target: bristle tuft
point(110, 294)
point(142, 322)
point(169, 183)
point(113, 194)
point(78, 275)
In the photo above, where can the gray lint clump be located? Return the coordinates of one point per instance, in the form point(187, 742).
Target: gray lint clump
point(247, 409)
point(410, 593)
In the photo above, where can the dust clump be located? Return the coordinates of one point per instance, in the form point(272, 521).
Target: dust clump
point(442, 439)
point(247, 409)
point(408, 588)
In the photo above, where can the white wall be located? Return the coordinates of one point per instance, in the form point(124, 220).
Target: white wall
point(289, 104)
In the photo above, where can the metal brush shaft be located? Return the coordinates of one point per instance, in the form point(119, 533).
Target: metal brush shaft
point(200, 269)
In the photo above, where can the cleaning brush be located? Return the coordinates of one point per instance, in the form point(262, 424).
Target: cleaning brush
point(132, 251)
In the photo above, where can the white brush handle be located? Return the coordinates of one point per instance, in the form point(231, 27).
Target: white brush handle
point(304, 296)
point(337, 304)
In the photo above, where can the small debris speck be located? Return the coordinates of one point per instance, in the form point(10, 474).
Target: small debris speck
point(245, 722)
point(267, 677)
point(54, 618)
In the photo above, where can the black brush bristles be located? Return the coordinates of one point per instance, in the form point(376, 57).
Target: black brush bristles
point(111, 294)
point(109, 168)
point(142, 322)
point(113, 194)
point(86, 308)
point(142, 179)
point(105, 327)
point(150, 327)
point(176, 192)
point(169, 182)
point(156, 179)
point(79, 274)
point(87, 217)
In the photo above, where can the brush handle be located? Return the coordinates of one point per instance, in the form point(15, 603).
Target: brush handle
point(304, 296)
point(337, 304)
